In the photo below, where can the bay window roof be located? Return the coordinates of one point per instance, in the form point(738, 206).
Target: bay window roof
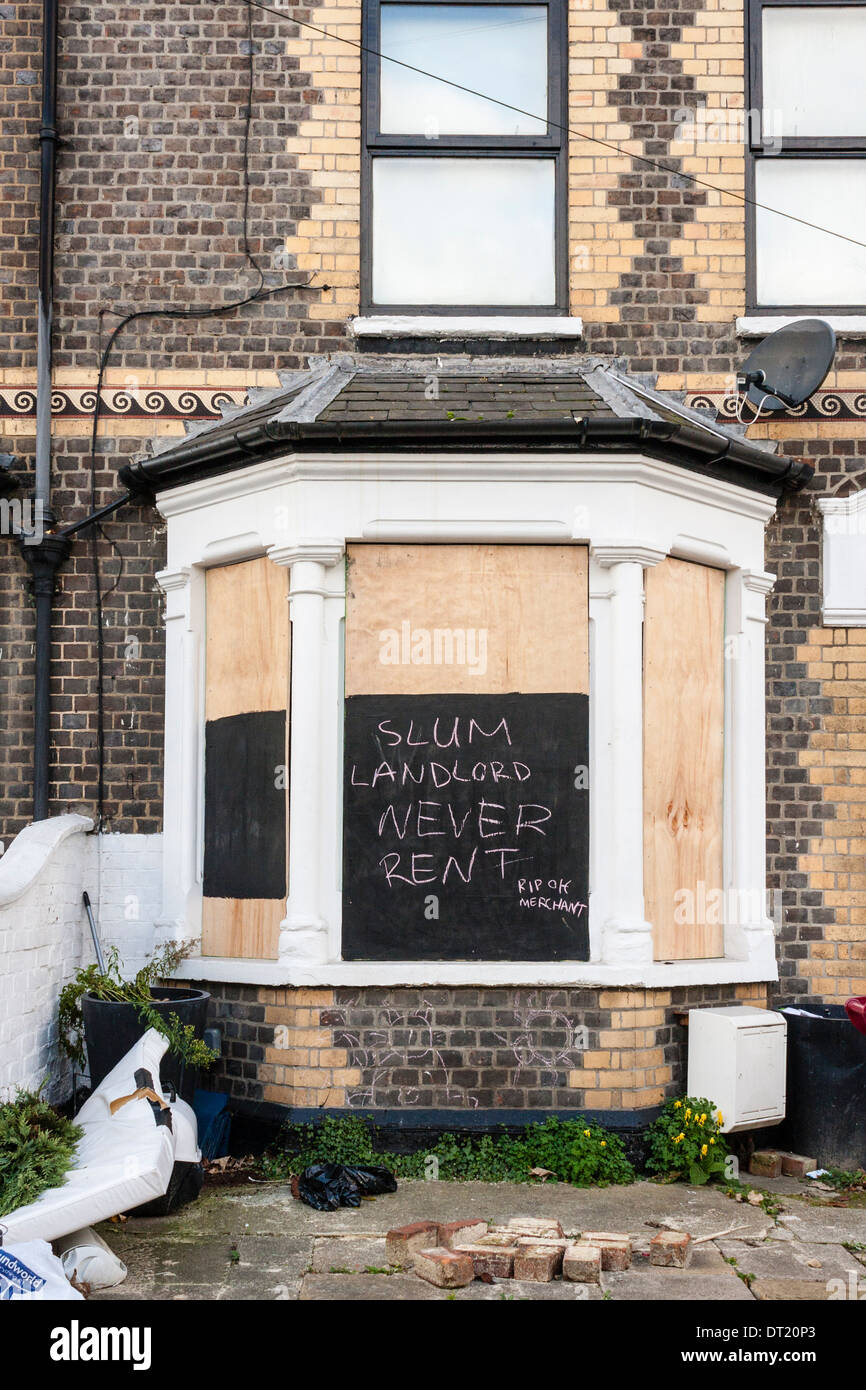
point(387, 403)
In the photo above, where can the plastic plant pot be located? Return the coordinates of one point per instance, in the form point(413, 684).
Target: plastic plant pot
point(112, 1028)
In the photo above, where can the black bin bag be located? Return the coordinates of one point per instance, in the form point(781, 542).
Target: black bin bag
point(327, 1186)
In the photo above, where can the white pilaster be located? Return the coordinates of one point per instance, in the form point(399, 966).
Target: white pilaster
point(184, 625)
point(626, 934)
point(748, 928)
point(304, 931)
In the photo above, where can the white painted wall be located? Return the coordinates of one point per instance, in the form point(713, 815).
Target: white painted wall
point(44, 936)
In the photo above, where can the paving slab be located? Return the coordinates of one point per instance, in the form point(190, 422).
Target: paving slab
point(825, 1225)
point(338, 1255)
point(520, 1291)
point(675, 1285)
point(774, 1260)
point(789, 1291)
point(368, 1288)
point(168, 1268)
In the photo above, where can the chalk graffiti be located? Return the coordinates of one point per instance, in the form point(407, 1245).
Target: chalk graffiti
point(541, 1037)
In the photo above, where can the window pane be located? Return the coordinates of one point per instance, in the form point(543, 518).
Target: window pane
point(814, 60)
point(463, 231)
point(799, 265)
point(498, 50)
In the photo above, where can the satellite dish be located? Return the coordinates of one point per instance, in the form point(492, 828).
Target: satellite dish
point(788, 366)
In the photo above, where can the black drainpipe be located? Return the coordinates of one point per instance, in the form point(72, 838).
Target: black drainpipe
point(43, 552)
point(44, 560)
point(48, 166)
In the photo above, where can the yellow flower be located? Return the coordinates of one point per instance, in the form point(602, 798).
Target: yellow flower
point(703, 1151)
point(712, 1141)
point(679, 1138)
point(677, 1104)
point(703, 1117)
point(587, 1133)
point(719, 1117)
point(604, 1143)
point(688, 1114)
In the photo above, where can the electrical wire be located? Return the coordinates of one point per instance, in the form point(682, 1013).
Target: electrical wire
point(257, 295)
point(557, 125)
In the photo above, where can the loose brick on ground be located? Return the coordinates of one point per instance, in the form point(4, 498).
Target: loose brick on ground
point(797, 1166)
point(766, 1163)
point(582, 1264)
point(535, 1226)
point(615, 1249)
point(403, 1243)
point(454, 1233)
point(447, 1269)
point(495, 1260)
point(550, 1242)
point(537, 1263)
point(671, 1249)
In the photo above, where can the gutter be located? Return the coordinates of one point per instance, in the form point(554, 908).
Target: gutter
point(681, 441)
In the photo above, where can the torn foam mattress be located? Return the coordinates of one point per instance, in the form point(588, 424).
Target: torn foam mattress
point(133, 1136)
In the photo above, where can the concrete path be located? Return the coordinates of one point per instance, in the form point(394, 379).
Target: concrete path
point(256, 1242)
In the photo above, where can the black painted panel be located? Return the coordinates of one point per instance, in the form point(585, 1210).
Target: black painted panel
point(469, 806)
point(244, 811)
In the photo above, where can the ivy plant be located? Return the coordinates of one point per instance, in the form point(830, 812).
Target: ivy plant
point(572, 1151)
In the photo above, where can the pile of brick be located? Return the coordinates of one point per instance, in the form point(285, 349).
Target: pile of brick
point(536, 1249)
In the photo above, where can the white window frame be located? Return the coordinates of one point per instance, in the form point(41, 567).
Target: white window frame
point(844, 560)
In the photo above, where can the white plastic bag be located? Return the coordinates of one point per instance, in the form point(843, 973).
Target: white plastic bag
point(85, 1255)
point(31, 1271)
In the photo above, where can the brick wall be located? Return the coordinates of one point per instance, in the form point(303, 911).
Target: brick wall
point(458, 1049)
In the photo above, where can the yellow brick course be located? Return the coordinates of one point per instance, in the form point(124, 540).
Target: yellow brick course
point(302, 1068)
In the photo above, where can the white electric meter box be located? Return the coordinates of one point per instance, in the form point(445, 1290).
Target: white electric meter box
point(737, 1060)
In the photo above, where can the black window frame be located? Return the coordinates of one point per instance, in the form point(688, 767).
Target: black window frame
point(553, 144)
point(786, 147)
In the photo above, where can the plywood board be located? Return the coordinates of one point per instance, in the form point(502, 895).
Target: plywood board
point(684, 759)
point(470, 619)
point(248, 653)
point(243, 928)
point(248, 644)
point(466, 830)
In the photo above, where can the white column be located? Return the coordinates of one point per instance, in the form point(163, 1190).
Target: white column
point(748, 928)
point(626, 934)
point(181, 892)
point(304, 931)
